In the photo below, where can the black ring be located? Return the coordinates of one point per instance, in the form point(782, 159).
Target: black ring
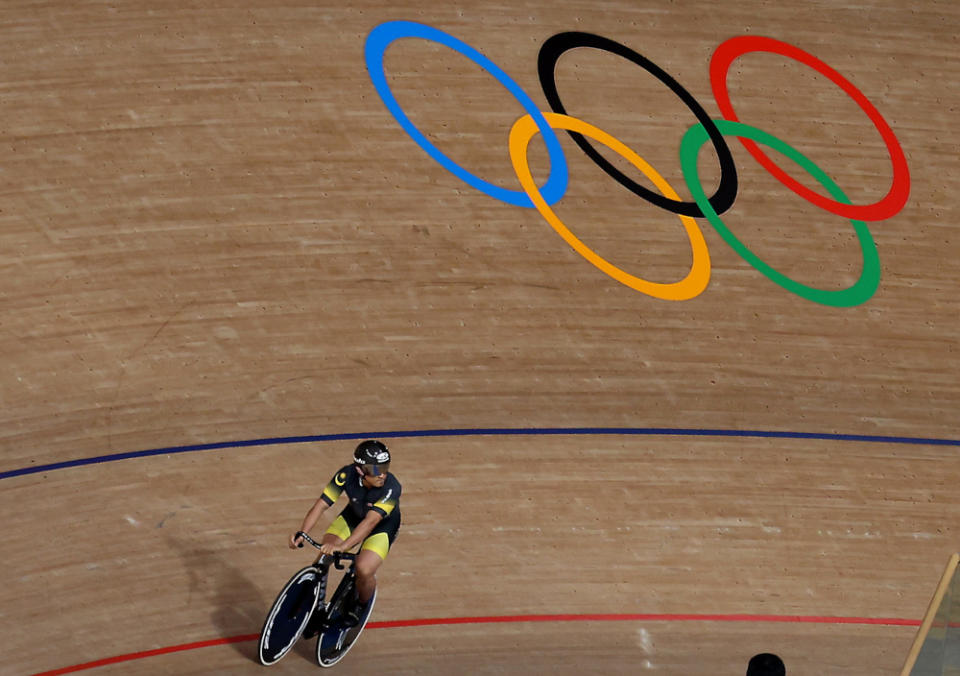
point(551, 51)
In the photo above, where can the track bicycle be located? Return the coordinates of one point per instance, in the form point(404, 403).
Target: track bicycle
point(301, 608)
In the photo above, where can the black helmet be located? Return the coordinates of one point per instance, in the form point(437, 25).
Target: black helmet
point(373, 457)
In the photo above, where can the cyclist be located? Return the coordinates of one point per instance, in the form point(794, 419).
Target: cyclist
point(371, 517)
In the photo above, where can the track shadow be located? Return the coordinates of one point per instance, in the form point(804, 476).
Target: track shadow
point(237, 608)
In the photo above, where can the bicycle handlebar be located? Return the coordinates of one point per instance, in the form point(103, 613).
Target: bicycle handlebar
point(337, 556)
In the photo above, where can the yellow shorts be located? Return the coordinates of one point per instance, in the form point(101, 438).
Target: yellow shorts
point(378, 543)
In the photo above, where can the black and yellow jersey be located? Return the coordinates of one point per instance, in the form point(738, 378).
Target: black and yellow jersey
point(385, 500)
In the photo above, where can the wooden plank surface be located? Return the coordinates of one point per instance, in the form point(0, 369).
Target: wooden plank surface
point(212, 230)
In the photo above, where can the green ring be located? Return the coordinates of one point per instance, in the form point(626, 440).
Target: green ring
point(869, 280)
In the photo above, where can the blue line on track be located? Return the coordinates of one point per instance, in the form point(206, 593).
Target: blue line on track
point(494, 431)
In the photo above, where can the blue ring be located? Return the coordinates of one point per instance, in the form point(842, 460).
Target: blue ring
point(383, 35)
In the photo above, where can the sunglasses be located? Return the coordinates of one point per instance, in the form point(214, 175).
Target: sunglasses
point(374, 470)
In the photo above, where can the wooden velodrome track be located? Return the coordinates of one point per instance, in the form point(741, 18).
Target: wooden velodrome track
point(212, 230)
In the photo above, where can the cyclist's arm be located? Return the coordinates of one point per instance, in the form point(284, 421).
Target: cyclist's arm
point(310, 520)
point(363, 529)
point(330, 495)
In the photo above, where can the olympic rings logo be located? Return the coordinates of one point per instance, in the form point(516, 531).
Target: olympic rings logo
point(706, 129)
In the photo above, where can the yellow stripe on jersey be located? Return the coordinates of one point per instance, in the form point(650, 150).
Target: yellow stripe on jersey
point(335, 487)
point(386, 506)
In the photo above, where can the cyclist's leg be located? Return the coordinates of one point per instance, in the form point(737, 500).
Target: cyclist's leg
point(338, 531)
point(367, 564)
point(371, 557)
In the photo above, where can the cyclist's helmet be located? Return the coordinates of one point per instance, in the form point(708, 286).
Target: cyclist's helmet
point(373, 457)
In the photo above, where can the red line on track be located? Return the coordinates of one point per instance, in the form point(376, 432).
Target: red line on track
point(150, 653)
point(433, 621)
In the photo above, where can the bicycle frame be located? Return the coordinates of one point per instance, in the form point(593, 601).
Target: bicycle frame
point(277, 640)
point(323, 563)
point(335, 640)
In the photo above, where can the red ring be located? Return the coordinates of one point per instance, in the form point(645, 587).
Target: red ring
point(893, 202)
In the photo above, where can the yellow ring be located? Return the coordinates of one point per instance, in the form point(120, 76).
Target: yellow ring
point(691, 286)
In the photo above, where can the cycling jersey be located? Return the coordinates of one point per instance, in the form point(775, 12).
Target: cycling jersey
point(385, 500)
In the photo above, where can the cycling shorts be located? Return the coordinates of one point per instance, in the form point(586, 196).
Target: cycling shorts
point(378, 541)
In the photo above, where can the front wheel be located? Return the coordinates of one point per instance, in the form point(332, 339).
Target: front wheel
point(337, 639)
point(289, 615)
